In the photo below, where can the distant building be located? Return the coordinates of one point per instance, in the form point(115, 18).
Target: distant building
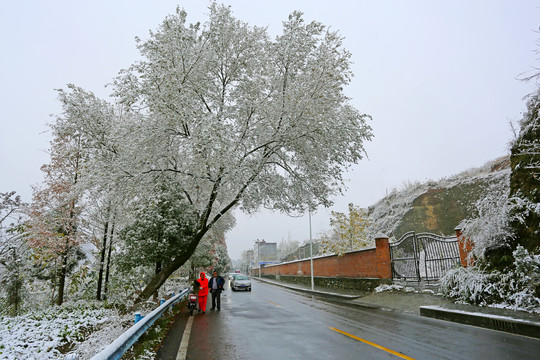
point(264, 253)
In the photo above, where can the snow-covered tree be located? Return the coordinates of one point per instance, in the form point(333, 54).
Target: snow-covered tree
point(10, 216)
point(239, 119)
point(286, 247)
point(162, 223)
point(54, 215)
point(222, 260)
point(525, 178)
point(99, 126)
point(201, 258)
point(349, 231)
point(13, 254)
point(246, 261)
point(506, 231)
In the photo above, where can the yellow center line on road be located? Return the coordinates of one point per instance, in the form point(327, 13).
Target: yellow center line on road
point(373, 344)
point(273, 303)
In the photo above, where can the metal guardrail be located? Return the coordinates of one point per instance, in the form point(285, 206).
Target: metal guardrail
point(119, 346)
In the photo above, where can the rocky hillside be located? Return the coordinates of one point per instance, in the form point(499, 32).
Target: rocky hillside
point(438, 206)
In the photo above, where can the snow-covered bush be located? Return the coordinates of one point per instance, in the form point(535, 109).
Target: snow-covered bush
point(517, 289)
point(470, 285)
point(490, 227)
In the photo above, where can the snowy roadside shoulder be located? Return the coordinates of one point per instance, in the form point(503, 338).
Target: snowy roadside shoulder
point(403, 298)
point(54, 332)
point(407, 289)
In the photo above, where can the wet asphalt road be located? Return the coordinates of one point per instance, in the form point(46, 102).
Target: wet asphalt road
point(274, 323)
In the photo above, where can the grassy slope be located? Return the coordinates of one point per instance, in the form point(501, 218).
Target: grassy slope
point(436, 206)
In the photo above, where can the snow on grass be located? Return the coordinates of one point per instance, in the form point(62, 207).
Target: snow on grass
point(407, 289)
point(112, 329)
point(43, 334)
point(394, 287)
point(386, 287)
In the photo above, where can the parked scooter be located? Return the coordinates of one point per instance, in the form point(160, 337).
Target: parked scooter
point(192, 303)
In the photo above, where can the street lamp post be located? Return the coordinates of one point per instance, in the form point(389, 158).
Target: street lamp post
point(311, 251)
point(259, 256)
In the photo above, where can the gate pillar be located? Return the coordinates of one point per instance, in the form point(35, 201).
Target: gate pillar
point(382, 251)
point(465, 248)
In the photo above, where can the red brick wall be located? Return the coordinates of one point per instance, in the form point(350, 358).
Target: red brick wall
point(368, 263)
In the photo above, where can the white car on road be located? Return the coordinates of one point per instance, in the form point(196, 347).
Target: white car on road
point(241, 282)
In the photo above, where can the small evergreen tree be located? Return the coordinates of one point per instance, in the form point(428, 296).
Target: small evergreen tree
point(161, 227)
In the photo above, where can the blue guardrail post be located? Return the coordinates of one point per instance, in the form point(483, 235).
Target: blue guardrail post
point(138, 317)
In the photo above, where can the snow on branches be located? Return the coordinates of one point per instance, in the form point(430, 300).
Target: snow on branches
point(239, 119)
point(229, 116)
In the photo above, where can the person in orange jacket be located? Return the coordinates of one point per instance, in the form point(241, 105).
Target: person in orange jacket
point(203, 292)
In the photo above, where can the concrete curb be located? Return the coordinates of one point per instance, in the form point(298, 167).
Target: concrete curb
point(309, 291)
point(494, 322)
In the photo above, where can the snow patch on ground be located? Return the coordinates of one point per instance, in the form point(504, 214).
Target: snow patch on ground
point(41, 334)
point(394, 287)
point(112, 329)
point(407, 289)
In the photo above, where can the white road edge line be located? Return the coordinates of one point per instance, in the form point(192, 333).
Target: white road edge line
point(182, 351)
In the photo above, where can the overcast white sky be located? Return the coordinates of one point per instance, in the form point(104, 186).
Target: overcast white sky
point(438, 77)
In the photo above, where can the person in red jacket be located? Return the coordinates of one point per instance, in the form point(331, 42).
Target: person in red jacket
point(203, 292)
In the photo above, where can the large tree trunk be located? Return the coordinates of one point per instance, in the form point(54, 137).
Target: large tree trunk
point(62, 278)
point(54, 279)
point(107, 268)
point(70, 231)
point(102, 262)
point(191, 276)
point(181, 259)
point(171, 267)
point(158, 269)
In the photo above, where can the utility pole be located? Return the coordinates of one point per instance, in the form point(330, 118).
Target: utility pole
point(259, 255)
point(311, 251)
